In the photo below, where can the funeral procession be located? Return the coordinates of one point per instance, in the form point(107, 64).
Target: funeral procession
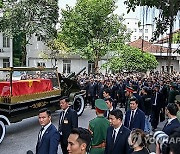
point(89, 77)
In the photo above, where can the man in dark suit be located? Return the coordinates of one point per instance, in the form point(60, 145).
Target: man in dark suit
point(67, 121)
point(138, 97)
point(48, 137)
point(117, 135)
point(91, 90)
point(109, 102)
point(172, 122)
point(157, 104)
point(135, 118)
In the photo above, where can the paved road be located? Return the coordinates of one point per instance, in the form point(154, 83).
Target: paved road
point(22, 136)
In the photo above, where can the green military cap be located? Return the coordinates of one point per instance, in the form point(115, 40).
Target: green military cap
point(101, 104)
point(172, 84)
point(178, 98)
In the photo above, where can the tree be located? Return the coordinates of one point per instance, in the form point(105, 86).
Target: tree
point(27, 17)
point(132, 60)
point(55, 49)
point(90, 29)
point(169, 10)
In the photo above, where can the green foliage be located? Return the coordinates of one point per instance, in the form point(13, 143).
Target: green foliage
point(176, 38)
point(169, 11)
point(56, 49)
point(132, 60)
point(29, 17)
point(18, 42)
point(90, 29)
point(1, 3)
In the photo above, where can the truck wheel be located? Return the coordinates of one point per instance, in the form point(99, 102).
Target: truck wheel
point(78, 104)
point(2, 131)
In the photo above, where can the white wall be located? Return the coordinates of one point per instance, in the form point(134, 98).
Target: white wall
point(132, 24)
point(7, 51)
point(164, 62)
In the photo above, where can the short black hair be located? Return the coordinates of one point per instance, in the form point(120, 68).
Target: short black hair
point(133, 98)
point(65, 98)
point(107, 90)
point(109, 99)
point(117, 113)
point(172, 108)
point(84, 136)
point(45, 110)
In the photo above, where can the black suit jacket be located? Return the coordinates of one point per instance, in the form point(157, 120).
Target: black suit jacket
point(159, 101)
point(92, 89)
point(138, 120)
point(121, 145)
point(141, 102)
point(70, 122)
point(49, 142)
point(169, 128)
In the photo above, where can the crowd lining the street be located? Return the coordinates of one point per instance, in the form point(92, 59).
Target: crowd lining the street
point(147, 99)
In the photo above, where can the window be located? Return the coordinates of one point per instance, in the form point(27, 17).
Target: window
point(91, 67)
point(172, 69)
point(6, 42)
point(162, 68)
point(140, 30)
point(167, 68)
point(39, 38)
point(134, 37)
point(6, 63)
point(146, 38)
point(146, 30)
point(135, 30)
point(41, 64)
point(66, 66)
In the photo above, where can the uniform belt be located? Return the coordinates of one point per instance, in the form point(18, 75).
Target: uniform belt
point(102, 145)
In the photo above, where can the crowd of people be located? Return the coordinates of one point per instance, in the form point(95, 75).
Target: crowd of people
point(147, 100)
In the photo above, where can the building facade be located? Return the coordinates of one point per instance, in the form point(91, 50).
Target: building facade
point(138, 30)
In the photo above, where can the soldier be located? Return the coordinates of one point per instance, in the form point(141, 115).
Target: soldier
point(98, 128)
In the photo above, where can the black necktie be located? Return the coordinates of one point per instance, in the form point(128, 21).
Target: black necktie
point(114, 136)
point(61, 121)
point(131, 120)
point(40, 134)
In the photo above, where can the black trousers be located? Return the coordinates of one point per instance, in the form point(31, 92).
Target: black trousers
point(155, 116)
point(64, 148)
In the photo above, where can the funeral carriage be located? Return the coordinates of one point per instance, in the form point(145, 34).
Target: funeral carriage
point(23, 91)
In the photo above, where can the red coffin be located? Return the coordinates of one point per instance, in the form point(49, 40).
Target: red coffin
point(23, 87)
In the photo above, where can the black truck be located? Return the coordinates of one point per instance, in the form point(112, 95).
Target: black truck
point(23, 91)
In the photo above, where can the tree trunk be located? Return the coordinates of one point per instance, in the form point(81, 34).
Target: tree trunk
point(24, 54)
point(96, 66)
point(169, 51)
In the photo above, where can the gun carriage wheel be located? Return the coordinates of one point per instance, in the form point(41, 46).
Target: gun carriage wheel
point(2, 131)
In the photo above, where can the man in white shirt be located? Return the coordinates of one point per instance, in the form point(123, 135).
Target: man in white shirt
point(117, 134)
point(48, 137)
point(109, 102)
point(172, 123)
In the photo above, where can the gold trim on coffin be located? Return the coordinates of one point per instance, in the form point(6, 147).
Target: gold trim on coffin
point(28, 97)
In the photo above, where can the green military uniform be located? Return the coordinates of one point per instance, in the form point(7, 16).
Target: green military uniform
point(178, 113)
point(172, 93)
point(98, 127)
